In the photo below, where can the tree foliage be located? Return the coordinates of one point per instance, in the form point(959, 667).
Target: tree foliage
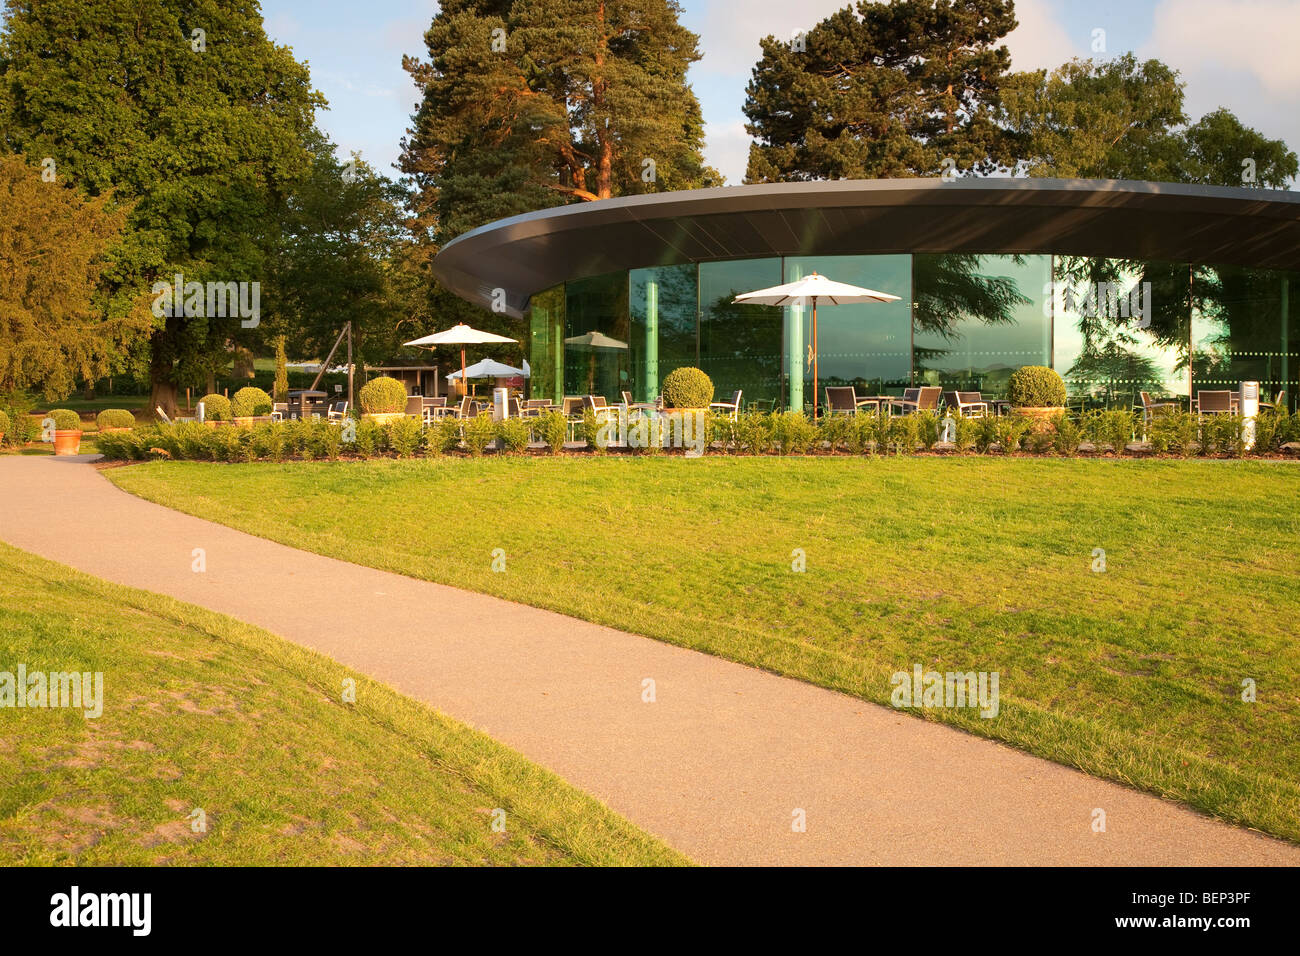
point(207, 142)
point(886, 90)
point(54, 242)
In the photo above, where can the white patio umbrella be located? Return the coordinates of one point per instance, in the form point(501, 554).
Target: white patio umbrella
point(461, 335)
point(809, 289)
point(594, 342)
point(489, 368)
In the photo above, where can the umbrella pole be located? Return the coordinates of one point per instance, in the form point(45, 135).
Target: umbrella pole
point(815, 358)
point(464, 385)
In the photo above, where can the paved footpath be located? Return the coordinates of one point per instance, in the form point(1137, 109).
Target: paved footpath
point(715, 767)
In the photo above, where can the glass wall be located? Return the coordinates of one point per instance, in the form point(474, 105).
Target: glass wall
point(597, 353)
point(664, 303)
point(740, 345)
point(1121, 328)
point(1111, 327)
point(1244, 328)
point(545, 344)
point(978, 318)
point(866, 345)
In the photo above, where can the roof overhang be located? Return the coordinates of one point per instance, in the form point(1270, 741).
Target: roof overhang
point(1129, 220)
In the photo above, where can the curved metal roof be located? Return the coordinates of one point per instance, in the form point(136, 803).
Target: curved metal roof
point(1121, 219)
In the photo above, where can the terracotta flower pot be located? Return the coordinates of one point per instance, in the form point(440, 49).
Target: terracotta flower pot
point(383, 418)
point(67, 442)
point(114, 428)
point(244, 421)
point(1042, 416)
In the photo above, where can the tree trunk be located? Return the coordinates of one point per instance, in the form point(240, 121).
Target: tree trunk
point(88, 392)
point(162, 389)
point(243, 363)
point(605, 146)
point(212, 382)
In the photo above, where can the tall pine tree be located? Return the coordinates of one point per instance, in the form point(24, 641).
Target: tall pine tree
point(891, 90)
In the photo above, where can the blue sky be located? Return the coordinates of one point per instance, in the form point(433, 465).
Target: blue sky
point(1234, 53)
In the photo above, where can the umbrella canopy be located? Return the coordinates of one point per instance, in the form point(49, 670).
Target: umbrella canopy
point(596, 341)
point(458, 335)
point(461, 335)
point(810, 289)
point(489, 369)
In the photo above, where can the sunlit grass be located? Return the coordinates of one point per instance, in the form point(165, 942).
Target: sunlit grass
point(204, 713)
point(1135, 674)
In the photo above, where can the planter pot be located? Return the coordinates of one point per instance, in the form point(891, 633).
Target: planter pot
point(213, 423)
point(67, 442)
point(245, 421)
point(114, 428)
point(1042, 416)
point(384, 418)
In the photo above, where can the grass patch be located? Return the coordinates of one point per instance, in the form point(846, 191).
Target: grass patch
point(1134, 674)
point(202, 711)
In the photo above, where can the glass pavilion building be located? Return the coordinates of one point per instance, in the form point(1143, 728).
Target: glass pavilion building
point(1120, 286)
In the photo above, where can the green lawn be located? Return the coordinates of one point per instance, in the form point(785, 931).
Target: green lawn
point(203, 712)
point(974, 564)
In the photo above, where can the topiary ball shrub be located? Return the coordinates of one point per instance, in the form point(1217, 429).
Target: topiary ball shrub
point(249, 402)
point(115, 418)
point(687, 388)
point(65, 420)
point(383, 396)
point(216, 408)
point(1036, 386)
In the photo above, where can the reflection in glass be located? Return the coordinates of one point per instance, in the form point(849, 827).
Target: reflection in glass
point(596, 332)
point(546, 349)
point(1243, 330)
point(1121, 329)
point(866, 345)
point(740, 345)
point(664, 302)
point(978, 318)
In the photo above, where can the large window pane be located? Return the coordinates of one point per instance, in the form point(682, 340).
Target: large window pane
point(545, 344)
point(596, 349)
point(866, 345)
point(740, 345)
point(1243, 330)
point(1121, 328)
point(978, 318)
point(664, 304)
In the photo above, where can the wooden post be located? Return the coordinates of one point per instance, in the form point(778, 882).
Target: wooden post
point(350, 401)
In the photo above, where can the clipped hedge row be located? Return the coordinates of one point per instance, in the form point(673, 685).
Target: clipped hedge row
point(317, 439)
point(782, 433)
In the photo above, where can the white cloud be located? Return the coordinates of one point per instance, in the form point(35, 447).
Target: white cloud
point(726, 148)
point(1040, 41)
point(1239, 54)
point(729, 33)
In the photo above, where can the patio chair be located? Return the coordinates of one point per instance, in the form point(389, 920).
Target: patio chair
point(966, 404)
point(1278, 402)
point(337, 412)
point(1150, 408)
point(917, 400)
point(466, 409)
point(841, 399)
point(732, 408)
point(415, 406)
point(513, 409)
point(1215, 403)
point(573, 406)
